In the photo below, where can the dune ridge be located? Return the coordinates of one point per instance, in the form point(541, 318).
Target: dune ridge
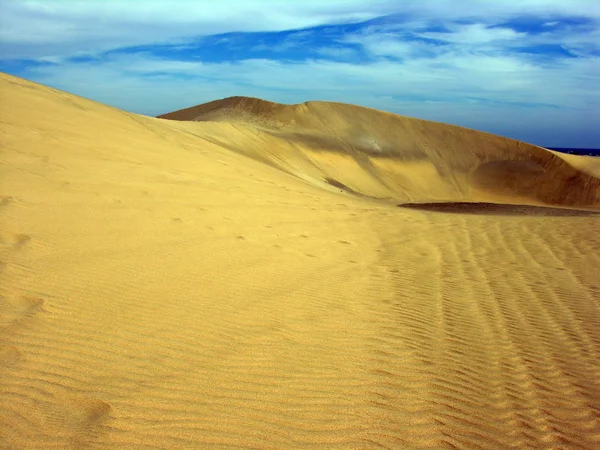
point(175, 284)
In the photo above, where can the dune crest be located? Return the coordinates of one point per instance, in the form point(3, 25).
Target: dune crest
point(181, 284)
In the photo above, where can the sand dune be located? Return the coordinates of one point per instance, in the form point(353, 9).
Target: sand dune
point(248, 280)
point(384, 155)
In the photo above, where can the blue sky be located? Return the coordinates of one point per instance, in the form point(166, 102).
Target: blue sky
point(527, 69)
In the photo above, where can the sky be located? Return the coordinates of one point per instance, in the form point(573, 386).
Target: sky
point(525, 69)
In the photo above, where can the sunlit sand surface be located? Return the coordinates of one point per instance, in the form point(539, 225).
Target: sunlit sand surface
point(320, 275)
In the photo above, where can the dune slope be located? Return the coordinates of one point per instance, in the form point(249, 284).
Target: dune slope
point(384, 155)
point(172, 284)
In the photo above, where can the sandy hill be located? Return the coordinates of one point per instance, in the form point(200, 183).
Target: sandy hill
point(384, 155)
point(249, 281)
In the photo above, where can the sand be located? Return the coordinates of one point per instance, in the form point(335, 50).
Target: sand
point(244, 277)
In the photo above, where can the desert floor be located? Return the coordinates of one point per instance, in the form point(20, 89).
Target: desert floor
point(159, 288)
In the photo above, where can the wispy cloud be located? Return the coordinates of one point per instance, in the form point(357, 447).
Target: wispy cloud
point(529, 71)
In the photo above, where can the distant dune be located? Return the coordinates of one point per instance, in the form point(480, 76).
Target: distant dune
point(384, 155)
point(242, 277)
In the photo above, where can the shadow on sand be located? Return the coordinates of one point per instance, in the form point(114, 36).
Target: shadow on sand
point(496, 209)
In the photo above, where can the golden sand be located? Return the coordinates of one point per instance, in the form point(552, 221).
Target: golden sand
point(244, 277)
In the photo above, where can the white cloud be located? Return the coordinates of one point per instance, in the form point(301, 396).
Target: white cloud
point(55, 28)
point(35, 28)
point(474, 34)
point(380, 44)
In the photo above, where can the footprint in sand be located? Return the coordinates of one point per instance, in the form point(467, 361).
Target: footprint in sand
point(9, 355)
point(6, 200)
point(14, 311)
point(14, 240)
point(77, 418)
point(19, 240)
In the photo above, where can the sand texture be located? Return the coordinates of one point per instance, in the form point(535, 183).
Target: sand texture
point(243, 277)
